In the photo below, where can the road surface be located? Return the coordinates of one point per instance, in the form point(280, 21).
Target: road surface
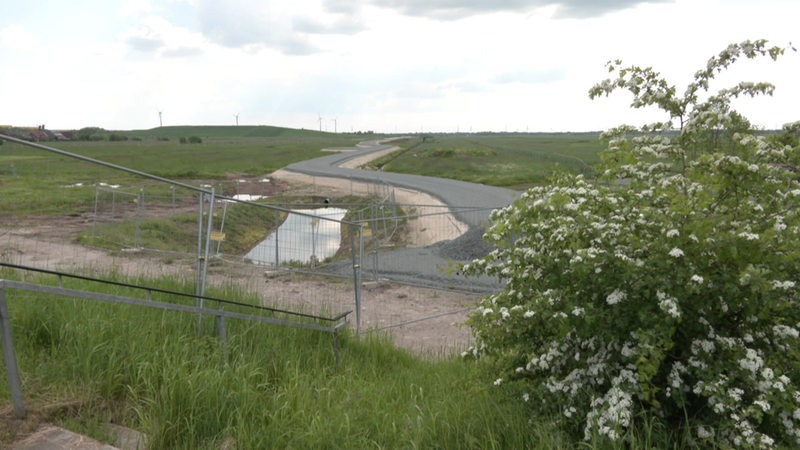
point(427, 266)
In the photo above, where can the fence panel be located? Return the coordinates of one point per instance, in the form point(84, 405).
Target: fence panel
point(393, 263)
point(66, 213)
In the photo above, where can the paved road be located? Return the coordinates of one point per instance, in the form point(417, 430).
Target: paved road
point(453, 193)
point(427, 265)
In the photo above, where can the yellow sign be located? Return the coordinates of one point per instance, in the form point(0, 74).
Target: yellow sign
point(217, 236)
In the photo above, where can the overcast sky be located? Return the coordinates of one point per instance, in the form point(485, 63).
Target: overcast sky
point(382, 65)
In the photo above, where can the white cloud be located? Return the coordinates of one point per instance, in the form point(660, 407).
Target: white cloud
point(155, 35)
point(291, 28)
point(133, 8)
point(458, 9)
point(17, 37)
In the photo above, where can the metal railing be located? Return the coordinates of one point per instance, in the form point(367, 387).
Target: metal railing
point(331, 325)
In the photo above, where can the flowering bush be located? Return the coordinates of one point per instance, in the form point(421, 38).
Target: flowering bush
point(666, 287)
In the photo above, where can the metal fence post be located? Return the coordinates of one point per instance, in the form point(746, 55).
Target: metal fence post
point(222, 224)
point(207, 243)
point(199, 270)
point(137, 242)
point(357, 257)
point(10, 356)
point(277, 228)
point(198, 278)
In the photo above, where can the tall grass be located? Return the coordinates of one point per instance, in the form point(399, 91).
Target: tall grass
point(270, 387)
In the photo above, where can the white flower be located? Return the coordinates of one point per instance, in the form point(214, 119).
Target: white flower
point(504, 313)
point(498, 382)
point(673, 233)
point(676, 252)
point(784, 331)
point(668, 304)
point(526, 397)
point(697, 279)
point(783, 285)
point(616, 297)
point(748, 236)
point(752, 361)
point(765, 406)
point(703, 433)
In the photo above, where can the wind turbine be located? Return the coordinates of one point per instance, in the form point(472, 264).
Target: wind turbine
point(334, 125)
point(320, 121)
point(237, 118)
point(160, 123)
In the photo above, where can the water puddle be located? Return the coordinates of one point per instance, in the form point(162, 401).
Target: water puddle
point(300, 237)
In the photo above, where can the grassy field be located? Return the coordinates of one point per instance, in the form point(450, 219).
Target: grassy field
point(34, 181)
point(29, 177)
point(511, 160)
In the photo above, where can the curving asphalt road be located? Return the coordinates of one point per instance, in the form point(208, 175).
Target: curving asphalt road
point(454, 193)
point(471, 203)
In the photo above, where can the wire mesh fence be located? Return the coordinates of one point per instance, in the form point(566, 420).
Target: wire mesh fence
point(389, 262)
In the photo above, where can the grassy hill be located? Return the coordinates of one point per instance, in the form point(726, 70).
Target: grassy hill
point(224, 131)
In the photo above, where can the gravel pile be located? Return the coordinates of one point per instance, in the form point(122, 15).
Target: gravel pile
point(469, 246)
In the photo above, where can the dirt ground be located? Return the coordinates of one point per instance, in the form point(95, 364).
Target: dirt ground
point(422, 320)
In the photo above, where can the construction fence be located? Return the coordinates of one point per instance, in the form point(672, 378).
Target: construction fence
point(321, 255)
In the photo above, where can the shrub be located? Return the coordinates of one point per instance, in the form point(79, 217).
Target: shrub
point(665, 288)
point(113, 137)
point(191, 140)
point(90, 134)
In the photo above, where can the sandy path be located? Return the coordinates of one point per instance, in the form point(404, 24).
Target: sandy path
point(423, 231)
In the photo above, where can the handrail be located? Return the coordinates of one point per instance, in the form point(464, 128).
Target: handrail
point(176, 293)
point(9, 354)
point(55, 290)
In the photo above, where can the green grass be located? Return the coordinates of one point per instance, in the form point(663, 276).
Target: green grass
point(34, 181)
point(511, 160)
point(271, 387)
point(42, 182)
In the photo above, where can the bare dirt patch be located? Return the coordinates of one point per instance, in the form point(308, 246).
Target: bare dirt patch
point(423, 320)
